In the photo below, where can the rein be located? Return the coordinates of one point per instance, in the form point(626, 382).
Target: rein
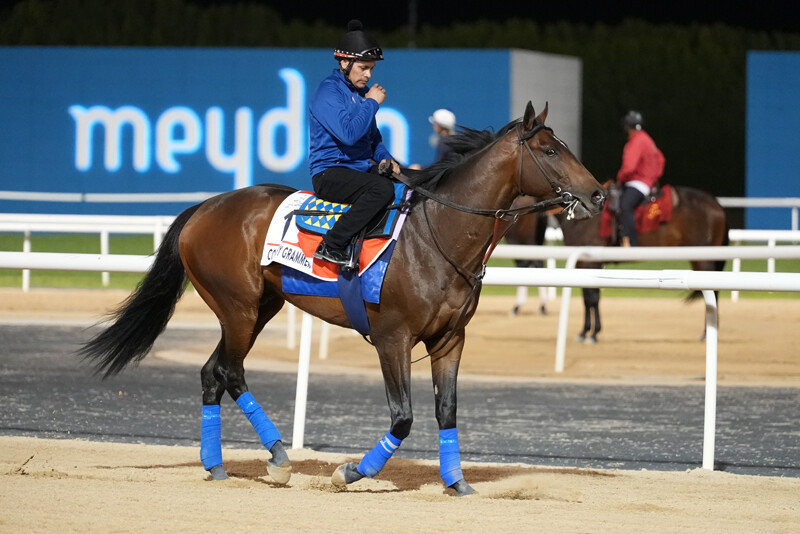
point(508, 217)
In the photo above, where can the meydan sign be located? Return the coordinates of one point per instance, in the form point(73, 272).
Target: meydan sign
point(180, 130)
point(120, 122)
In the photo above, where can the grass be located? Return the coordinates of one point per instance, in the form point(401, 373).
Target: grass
point(143, 245)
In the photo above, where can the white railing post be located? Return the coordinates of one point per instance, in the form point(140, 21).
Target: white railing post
point(771, 261)
point(710, 416)
point(26, 273)
point(563, 317)
point(301, 394)
point(104, 251)
point(324, 337)
point(736, 266)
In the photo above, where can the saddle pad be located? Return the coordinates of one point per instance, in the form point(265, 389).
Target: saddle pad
point(318, 216)
point(649, 215)
point(302, 274)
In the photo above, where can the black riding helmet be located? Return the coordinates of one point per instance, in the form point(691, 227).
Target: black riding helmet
point(357, 45)
point(633, 119)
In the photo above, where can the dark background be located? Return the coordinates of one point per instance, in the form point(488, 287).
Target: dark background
point(683, 65)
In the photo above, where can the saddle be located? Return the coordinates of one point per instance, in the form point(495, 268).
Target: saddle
point(655, 209)
point(297, 229)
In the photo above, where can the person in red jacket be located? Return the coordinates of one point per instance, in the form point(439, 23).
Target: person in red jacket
point(642, 166)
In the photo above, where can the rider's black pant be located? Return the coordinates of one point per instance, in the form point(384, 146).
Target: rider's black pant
point(630, 199)
point(367, 193)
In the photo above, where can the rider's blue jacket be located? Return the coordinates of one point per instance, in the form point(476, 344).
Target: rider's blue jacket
point(342, 127)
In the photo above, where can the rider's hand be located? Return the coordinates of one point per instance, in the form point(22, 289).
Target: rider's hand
point(386, 164)
point(377, 93)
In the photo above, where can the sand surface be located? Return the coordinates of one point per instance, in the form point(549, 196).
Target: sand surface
point(65, 485)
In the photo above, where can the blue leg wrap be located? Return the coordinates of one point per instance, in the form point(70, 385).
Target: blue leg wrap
point(449, 457)
point(210, 432)
point(255, 414)
point(374, 460)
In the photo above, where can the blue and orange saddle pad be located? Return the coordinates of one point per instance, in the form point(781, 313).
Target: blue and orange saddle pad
point(649, 215)
point(297, 229)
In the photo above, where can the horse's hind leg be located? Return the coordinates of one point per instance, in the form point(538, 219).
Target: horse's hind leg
point(591, 309)
point(211, 426)
point(224, 371)
point(592, 297)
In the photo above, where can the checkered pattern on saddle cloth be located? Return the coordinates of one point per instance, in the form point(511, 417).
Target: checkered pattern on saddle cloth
point(649, 215)
point(318, 216)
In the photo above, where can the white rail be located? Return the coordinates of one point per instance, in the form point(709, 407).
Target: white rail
point(604, 254)
point(103, 225)
point(674, 280)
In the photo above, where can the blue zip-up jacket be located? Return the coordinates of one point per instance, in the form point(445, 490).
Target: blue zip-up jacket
point(342, 127)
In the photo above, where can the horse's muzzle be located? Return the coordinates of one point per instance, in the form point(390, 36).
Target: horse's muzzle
point(584, 210)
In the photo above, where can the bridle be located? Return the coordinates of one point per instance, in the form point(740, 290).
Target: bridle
point(504, 219)
point(564, 198)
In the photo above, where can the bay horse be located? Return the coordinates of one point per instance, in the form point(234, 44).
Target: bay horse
point(697, 220)
point(429, 293)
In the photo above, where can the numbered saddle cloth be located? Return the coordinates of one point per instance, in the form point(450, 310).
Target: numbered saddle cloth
point(290, 243)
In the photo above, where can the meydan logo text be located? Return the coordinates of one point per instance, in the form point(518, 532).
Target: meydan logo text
point(179, 130)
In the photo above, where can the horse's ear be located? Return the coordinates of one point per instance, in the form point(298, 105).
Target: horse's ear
point(543, 115)
point(529, 118)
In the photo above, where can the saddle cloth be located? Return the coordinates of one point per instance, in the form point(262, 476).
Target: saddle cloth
point(649, 215)
point(291, 246)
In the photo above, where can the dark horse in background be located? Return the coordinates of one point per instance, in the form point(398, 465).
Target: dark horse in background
point(697, 220)
point(528, 230)
point(430, 289)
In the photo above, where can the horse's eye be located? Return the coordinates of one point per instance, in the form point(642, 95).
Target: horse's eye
point(550, 151)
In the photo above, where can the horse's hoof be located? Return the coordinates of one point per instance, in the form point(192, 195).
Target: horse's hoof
point(542, 311)
point(346, 474)
point(515, 311)
point(462, 489)
point(218, 473)
point(581, 338)
point(279, 473)
point(279, 467)
point(592, 340)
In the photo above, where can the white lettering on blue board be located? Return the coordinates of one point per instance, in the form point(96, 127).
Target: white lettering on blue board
point(180, 132)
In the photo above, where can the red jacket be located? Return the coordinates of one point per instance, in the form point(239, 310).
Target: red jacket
point(641, 160)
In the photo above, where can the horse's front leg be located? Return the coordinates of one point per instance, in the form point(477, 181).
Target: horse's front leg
point(444, 370)
point(395, 361)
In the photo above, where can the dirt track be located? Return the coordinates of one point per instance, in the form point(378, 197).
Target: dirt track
point(70, 485)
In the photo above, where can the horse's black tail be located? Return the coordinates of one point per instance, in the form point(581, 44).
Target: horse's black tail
point(142, 317)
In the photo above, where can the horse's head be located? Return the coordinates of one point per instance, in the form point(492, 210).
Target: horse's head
point(547, 169)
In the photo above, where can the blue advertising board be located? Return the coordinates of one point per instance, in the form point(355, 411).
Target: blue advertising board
point(121, 121)
point(773, 144)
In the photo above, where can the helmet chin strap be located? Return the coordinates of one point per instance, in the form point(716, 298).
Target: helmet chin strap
point(346, 70)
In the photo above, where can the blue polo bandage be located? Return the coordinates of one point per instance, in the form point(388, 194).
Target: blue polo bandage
point(449, 457)
point(210, 432)
point(255, 414)
point(372, 462)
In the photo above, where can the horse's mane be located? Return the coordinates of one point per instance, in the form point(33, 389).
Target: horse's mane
point(465, 143)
